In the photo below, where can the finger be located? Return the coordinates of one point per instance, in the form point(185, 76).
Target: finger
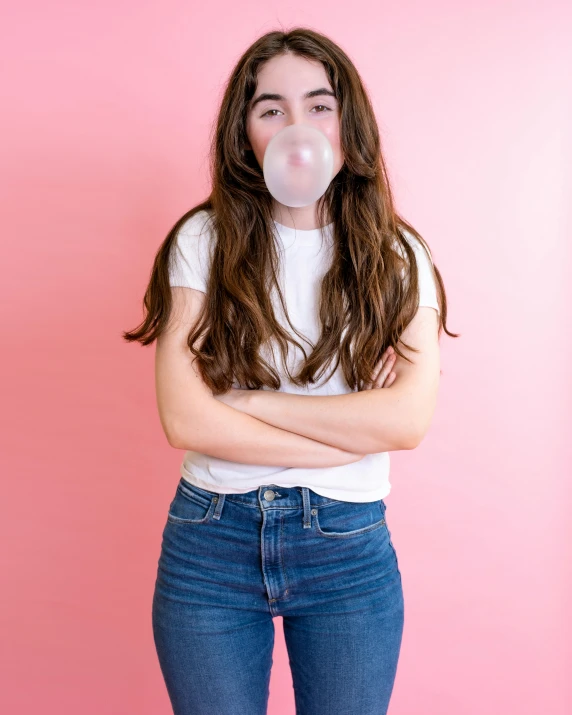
point(384, 358)
point(384, 373)
point(390, 380)
point(387, 353)
point(380, 375)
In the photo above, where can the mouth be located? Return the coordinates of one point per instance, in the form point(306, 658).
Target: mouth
point(299, 157)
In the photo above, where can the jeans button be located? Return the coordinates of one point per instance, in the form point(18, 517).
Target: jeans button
point(269, 495)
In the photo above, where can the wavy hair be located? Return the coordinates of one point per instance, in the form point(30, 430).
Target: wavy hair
point(369, 294)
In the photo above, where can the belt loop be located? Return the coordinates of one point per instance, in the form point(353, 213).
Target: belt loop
point(219, 499)
point(307, 523)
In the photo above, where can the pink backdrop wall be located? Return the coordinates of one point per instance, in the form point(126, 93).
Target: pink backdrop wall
point(105, 120)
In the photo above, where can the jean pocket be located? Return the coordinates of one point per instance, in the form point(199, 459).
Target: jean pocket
point(341, 519)
point(191, 505)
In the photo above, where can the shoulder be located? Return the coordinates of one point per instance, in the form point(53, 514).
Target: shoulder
point(428, 294)
point(192, 251)
point(195, 237)
point(200, 224)
point(421, 249)
point(421, 253)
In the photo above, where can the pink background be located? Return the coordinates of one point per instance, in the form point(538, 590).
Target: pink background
point(105, 120)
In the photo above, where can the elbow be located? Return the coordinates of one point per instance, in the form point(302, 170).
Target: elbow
point(410, 435)
point(417, 425)
point(399, 441)
point(416, 436)
point(191, 431)
point(174, 443)
point(175, 438)
point(170, 430)
point(410, 440)
point(413, 441)
point(186, 435)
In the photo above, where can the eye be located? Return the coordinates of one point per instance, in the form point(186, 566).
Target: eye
point(317, 105)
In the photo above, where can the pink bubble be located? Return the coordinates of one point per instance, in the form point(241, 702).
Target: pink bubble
point(298, 165)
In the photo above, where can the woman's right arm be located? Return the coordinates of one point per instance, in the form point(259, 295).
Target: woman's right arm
point(193, 419)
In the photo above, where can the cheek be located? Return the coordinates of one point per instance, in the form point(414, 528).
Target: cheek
point(262, 141)
point(259, 138)
point(332, 131)
point(335, 137)
point(333, 134)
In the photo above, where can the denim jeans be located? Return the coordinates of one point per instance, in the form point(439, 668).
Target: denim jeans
point(229, 563)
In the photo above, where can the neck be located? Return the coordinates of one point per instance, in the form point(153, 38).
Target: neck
point(303, 218)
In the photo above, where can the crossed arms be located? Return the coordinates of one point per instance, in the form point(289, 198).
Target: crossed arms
point(370, 421)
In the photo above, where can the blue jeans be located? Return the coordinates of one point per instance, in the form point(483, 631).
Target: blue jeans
point(229, 563)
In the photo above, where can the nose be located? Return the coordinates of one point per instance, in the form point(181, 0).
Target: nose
point(297, 117)
point(295, 120)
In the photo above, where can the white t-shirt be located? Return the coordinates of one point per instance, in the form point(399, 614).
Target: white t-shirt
point(305, 258)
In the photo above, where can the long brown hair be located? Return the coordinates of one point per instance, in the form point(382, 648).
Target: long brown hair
point(365, 303)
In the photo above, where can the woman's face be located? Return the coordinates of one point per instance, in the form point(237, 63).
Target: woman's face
point(291, 77)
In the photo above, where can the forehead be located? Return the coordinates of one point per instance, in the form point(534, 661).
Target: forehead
point(291, 79)
point(291, 76)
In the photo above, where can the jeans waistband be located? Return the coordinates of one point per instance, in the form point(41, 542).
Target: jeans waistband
point(265, 497)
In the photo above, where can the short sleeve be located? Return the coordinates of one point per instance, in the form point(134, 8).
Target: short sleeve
point(191, 253)
point(426, 279)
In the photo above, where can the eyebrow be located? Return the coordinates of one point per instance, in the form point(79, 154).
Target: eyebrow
point(279, 98)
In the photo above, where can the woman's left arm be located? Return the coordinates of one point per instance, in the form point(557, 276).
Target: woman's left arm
point(370, 421)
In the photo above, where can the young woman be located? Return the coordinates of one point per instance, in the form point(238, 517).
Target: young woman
point(280, 508)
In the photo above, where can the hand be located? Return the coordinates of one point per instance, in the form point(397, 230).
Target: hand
point(382, 375)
